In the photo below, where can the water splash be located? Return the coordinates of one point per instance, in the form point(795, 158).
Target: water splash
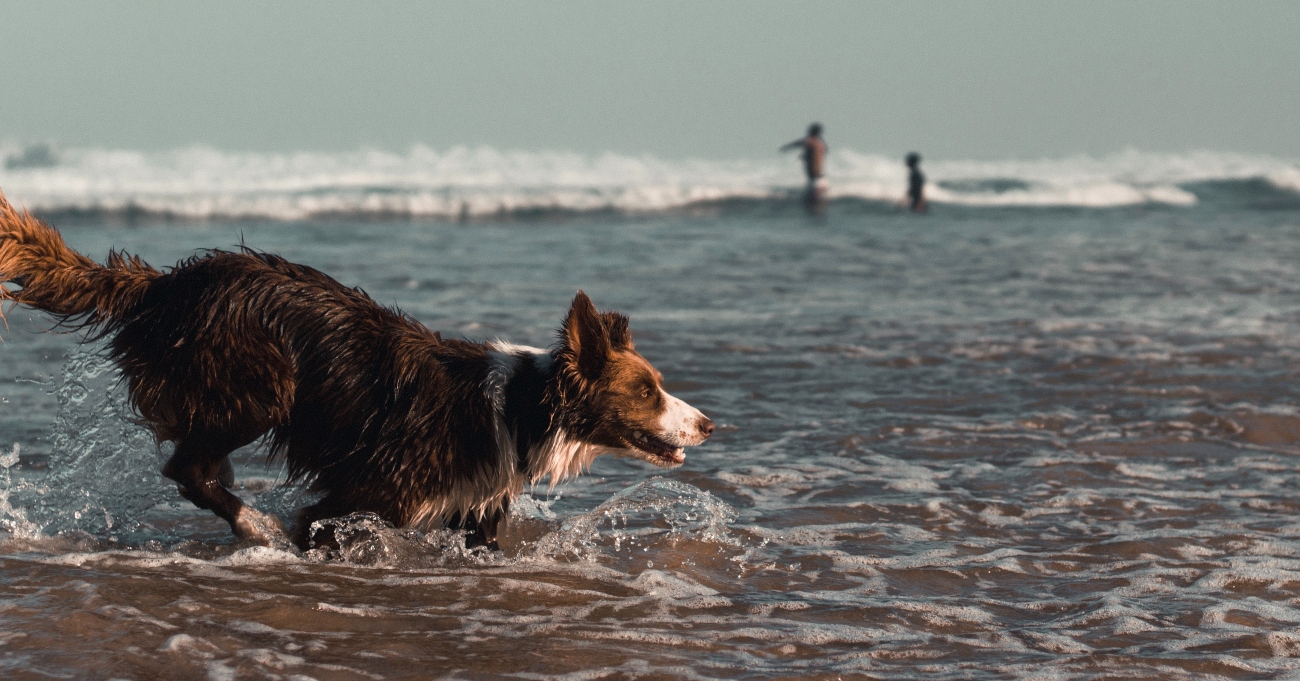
point(13, 519)
point(367, 539)
point(103, 466)
point(103, 481)
point(673, 518)
point(657, 512)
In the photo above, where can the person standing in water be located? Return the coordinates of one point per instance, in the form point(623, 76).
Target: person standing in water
point(814, 158)
point(915, 184)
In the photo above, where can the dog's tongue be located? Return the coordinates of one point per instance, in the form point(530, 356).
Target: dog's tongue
point(658, 448)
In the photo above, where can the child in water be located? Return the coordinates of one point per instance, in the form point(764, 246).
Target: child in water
point(915, 184)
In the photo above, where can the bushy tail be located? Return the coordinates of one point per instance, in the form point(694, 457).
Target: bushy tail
point(61, 281)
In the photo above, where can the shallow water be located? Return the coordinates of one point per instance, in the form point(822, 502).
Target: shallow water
point(982, 443)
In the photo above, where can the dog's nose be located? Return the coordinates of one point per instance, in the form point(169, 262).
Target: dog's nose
point(705, 426)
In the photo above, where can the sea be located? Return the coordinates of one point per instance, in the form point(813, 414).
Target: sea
point(1049, 429)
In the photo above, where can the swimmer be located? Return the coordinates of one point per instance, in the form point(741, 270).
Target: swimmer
point(915, 184)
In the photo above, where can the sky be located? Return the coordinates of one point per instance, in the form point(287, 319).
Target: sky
point(716, 80)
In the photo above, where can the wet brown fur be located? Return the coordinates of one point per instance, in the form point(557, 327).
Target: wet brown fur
point(373, 409)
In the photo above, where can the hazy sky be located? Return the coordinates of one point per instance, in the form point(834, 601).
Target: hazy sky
point(981, 80)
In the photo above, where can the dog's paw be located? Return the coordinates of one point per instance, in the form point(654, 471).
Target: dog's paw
point(260, 528)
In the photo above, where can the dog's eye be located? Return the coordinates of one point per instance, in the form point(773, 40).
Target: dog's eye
point(645, 393)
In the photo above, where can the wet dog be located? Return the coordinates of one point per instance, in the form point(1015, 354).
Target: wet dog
point(375, 411)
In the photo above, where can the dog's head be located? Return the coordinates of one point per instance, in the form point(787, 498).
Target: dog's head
point(618, 398)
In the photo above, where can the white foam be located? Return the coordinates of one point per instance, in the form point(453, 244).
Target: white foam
point(201, 182)
point(185, 643)
point(1151, 471)
point(259, 555)
point(904, 476)
point(667, 585)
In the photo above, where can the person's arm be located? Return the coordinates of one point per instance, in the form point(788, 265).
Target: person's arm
point(793, 145)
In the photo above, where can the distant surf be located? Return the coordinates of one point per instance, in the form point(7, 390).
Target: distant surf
point(200, 183)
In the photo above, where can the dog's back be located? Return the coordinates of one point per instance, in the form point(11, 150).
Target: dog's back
point(228, 347)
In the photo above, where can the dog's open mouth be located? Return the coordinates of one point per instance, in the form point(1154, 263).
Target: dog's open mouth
point(650, 448)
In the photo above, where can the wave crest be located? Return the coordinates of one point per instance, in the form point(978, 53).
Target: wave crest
point(461, 183)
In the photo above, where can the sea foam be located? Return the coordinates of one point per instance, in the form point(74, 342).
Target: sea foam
point(463, 183)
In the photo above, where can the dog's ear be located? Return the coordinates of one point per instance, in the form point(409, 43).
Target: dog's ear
point(620, 337)
point(586, 336)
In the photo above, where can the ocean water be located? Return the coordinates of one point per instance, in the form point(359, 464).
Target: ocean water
point(1049, 430)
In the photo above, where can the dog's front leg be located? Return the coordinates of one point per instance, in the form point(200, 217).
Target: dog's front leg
point(483, 532)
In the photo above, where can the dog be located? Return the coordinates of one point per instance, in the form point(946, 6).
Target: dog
point(368, 406)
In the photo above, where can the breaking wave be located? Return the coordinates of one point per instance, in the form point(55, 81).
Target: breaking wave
point(199, 183)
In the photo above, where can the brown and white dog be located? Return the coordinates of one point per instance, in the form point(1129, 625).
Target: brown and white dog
point(375, 411)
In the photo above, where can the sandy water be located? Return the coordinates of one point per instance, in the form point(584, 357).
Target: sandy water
point(983, 443)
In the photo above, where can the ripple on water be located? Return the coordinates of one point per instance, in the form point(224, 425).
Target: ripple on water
point(929, 468)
